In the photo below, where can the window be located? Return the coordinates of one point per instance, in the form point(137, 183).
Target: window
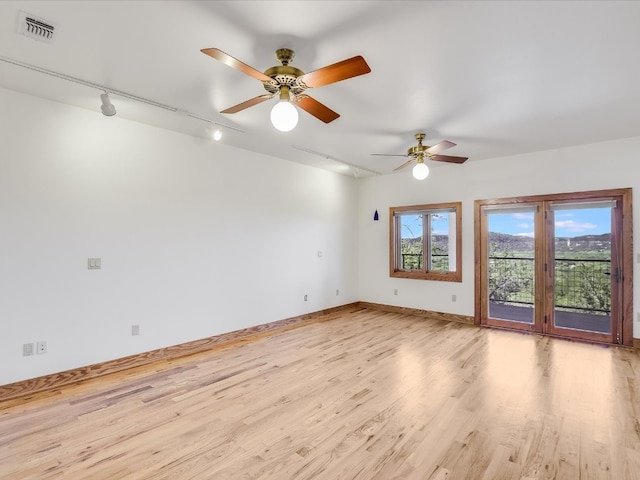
point(425, 242)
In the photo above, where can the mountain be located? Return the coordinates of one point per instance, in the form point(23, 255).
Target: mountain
point(519, 243)
point(513, 243)
point(582, 243)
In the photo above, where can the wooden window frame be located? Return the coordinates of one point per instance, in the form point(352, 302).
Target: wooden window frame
point(424, 274)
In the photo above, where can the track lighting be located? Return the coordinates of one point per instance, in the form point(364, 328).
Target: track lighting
point(284, 116)
point(107, 107)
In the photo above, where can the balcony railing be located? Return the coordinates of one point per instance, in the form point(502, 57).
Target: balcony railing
point(581, 285)
point(413, 261)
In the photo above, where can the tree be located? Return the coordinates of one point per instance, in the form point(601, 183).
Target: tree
point(594, 288)
point(509, 278)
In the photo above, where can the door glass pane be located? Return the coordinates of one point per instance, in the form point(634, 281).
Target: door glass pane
point(582, 268)
point(511, 266)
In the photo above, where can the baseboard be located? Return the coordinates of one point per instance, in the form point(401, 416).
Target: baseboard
point(636, 343)
point(449, 317)
point(28, 389)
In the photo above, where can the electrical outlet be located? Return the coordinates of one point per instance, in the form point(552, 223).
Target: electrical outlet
point(337, 291)
point(453, 298)
point(41, 347)
point(395, 291)
point(27, 349)
point(135, 330)
point(305, 298)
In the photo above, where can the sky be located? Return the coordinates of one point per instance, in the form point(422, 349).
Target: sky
point(568, 223)
point(412, 225)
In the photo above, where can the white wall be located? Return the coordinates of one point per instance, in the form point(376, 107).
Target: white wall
point(589, 167)
point(191, 246)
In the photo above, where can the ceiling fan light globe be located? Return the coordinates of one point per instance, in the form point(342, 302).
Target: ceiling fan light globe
point(284, 116)
point(420, 171)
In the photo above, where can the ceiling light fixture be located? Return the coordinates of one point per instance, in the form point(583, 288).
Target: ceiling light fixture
point(418, 152)
point(217, 135)
point(284, 116)
point(420, 170)
point(107, 107)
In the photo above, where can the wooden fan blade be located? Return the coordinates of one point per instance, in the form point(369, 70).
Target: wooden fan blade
point(315, 108)
point(404, 164)
point(337, 72)
point(440, 147)
point(235, 63)
point(248, 103)
point(448, 158)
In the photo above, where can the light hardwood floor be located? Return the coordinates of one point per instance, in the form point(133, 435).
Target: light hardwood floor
point(369, 395)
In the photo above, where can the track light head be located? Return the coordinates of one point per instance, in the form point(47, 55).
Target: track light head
point(107, 107)
point(213, 133)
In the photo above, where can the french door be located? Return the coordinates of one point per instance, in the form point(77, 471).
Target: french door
point(557, 264)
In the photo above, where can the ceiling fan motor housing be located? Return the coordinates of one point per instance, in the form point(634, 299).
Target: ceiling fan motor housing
point(284, 74)
point(419, 150)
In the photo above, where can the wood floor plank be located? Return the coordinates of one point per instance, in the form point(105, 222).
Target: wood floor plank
point(368, 395)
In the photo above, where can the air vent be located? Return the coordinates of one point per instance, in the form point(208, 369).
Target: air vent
point(36, 28)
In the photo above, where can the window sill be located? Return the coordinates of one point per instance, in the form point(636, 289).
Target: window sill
point(418, 275)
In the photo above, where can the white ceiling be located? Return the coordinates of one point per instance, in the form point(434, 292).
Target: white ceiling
point(497, 78)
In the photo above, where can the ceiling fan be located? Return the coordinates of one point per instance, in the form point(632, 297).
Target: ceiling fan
point(419, 152)
point(290, 83)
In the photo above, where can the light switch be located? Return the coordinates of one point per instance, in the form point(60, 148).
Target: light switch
point(94, 263)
